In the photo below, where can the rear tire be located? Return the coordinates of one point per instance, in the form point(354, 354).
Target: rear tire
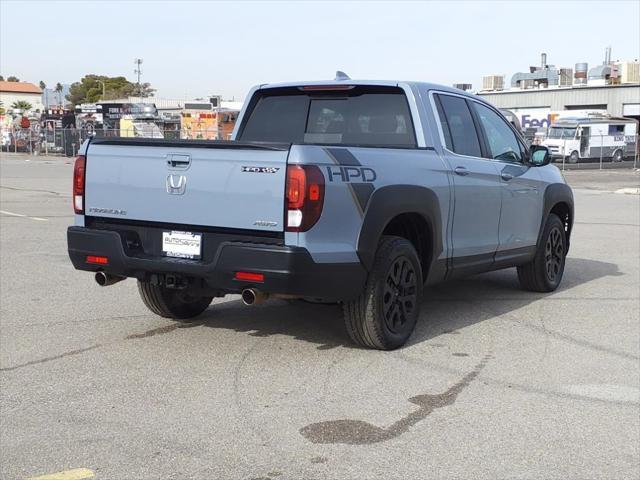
point(618, 156)
point(544, 272)
point(172, 303)
point(385, 314)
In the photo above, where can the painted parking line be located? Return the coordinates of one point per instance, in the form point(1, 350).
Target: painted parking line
point(75, 474)
point(12, 214)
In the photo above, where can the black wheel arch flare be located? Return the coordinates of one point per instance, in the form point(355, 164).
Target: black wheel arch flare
point(554, 194)
point(388, 202)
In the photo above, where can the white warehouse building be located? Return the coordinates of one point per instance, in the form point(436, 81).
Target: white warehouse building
point(535, 108)
point(545, 92)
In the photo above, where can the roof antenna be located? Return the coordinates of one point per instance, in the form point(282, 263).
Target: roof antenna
point(342, 76)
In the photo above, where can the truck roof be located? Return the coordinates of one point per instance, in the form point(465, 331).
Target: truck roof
point(382, 83)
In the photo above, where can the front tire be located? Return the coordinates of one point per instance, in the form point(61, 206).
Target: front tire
point(385, 314)
point(544, 272)
point(574, 157)
point(172, 303)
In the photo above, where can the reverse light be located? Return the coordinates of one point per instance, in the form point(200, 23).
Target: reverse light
point(249, 277)
point(97, 260)
point(79, 170)
point(305, 197)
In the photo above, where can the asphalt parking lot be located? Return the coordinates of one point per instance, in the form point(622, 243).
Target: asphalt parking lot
point(495, 383)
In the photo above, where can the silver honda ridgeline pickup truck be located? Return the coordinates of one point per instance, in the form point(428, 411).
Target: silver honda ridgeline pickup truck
point(358, 192)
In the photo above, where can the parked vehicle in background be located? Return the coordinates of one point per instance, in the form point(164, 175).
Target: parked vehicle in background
point(130, 120)
point(359, 192)
point(590, 139)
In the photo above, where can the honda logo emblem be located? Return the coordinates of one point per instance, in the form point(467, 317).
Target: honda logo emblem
point(176, 184)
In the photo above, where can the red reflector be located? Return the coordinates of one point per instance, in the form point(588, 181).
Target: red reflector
point(98, 260)
point(250, 276)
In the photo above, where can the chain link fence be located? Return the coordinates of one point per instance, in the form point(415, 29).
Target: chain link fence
point(594, 152)
point(55, 140)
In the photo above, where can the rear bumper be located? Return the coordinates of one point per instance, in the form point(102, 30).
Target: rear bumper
point(287, 270)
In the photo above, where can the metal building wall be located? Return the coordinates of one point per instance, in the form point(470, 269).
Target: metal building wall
point(559, 99)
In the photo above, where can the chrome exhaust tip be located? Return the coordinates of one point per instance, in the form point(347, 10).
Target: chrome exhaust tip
point(105, 279)
point(251, 296)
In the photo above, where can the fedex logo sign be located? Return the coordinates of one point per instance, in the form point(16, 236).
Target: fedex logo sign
point(528, 121)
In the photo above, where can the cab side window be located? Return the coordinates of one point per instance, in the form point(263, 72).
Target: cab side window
point(502, 142)
point(457, 125)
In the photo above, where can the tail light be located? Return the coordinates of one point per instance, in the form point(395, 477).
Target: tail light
point(78, 184)
point(305, 196)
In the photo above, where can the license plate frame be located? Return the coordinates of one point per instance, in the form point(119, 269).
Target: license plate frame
point(179, 244)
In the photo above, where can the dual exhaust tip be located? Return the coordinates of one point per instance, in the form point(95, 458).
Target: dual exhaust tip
point(250, 296)
point(105, 279)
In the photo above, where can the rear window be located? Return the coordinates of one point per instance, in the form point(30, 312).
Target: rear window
point(363, 116)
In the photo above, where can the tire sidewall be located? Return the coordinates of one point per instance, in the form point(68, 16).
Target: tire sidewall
point(574, 158)
point(552, 222)
point(615, 158)
point(402, 249)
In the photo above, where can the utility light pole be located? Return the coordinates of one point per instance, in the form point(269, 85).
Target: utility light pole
point(138, 71)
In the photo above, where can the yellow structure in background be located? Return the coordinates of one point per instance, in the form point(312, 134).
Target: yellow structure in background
point(199, 125)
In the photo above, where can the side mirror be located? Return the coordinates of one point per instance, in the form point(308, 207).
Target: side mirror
point(539, 156)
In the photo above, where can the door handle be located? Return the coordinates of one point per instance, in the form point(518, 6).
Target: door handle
point(178, 161)
point(461, 171)
point(506, 176)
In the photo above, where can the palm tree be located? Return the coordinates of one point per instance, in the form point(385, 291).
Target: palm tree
point(59, 91)
point(43, 87)
point(21, 105)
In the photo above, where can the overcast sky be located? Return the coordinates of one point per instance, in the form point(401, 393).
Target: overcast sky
point(193, 49)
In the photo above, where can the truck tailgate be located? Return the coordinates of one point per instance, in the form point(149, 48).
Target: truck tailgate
point(214, 184)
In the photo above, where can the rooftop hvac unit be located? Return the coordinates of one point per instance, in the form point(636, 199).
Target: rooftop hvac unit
point(581, 73)
point(566, 77)
point(463, 86)
point(527, 83)
point(629, 72)
point(493, 82)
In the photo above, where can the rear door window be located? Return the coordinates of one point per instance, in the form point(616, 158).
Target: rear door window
point(457, 124)
point(361, 116)
point(277, 119)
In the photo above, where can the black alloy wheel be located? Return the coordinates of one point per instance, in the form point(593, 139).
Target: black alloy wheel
point(400, 295)
point(554, 253)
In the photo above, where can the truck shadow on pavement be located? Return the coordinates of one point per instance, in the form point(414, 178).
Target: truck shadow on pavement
point(446, 308)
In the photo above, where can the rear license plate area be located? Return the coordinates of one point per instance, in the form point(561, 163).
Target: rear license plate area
point(182, 245)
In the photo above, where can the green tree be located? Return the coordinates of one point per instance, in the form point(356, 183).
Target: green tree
point(42, 85)
point(13, 79)
point(1, 78)
point(58, 90)
point(89, 89)
point(21, 105)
